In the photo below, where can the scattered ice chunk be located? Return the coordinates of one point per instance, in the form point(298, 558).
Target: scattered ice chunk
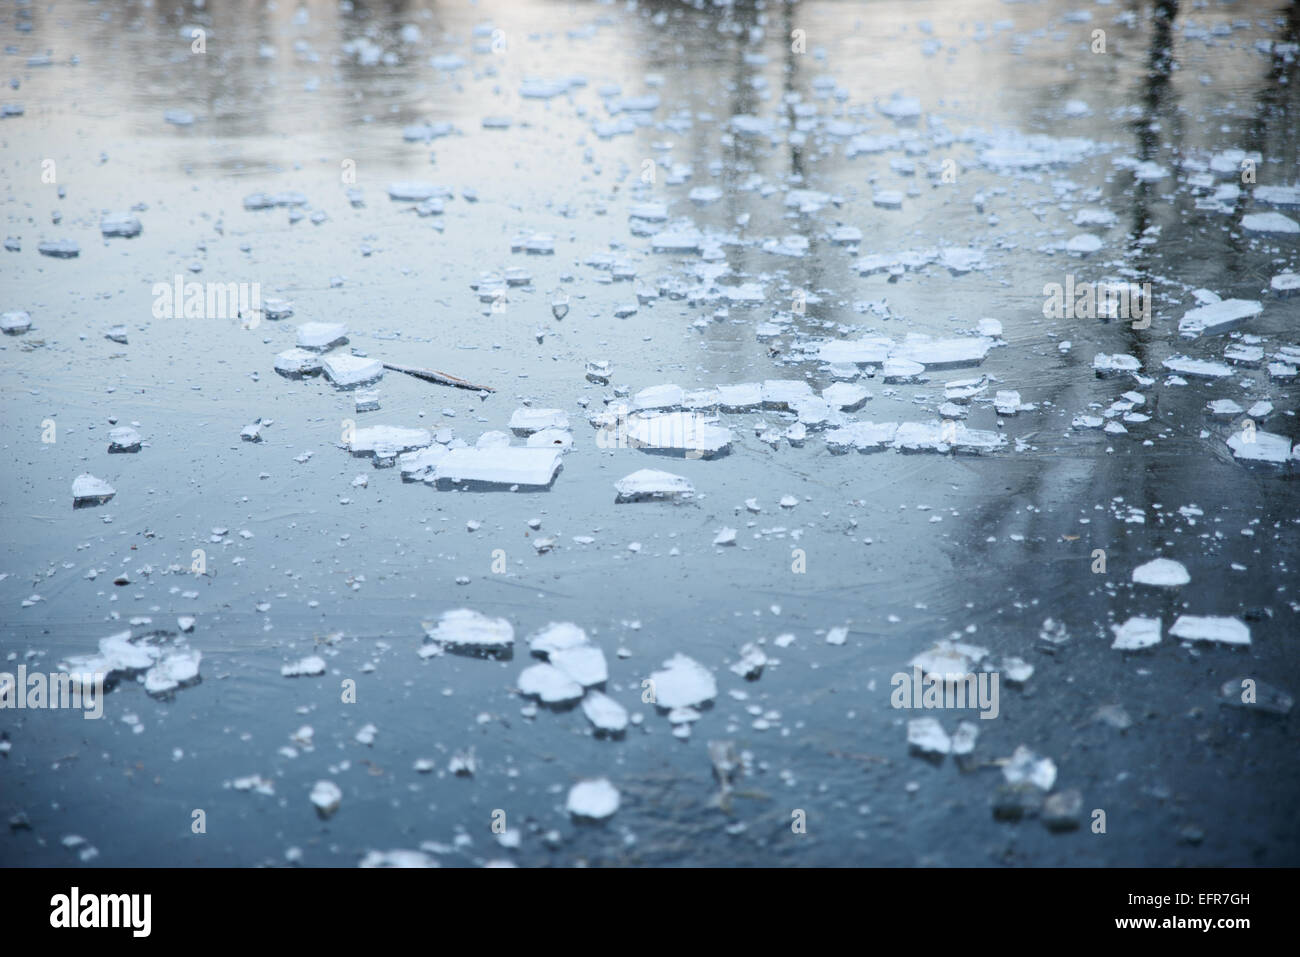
point(327, 796)
point(751, 663)
point(1105, 365)
point(417, 192)
point(594, 800)
point(124, 439)
point(526, 421)
point(926, 736)
point(1260, 447)
point(533, 468)
point(1225, 631)
point(297, 362)
point(1198, 368)
point(686, 432)
point(15, 323)
point(310, 666)
point(949, 660)
point(59, 249)
point(174, 669)
point(1026, 767)
point(845, 396)
point(549, 684)
point(468, 631)
point(120, 224)
point(652, 485)
point(555, 637)
point(606, 714)
point(387, 441)
point(1162, 573)
point(683, 683)
point(1136, 633)
point(348, 372)
point(88, 490)
point(1218, 317)
point(321, 335)
point(585, 664)
point(1269, 223)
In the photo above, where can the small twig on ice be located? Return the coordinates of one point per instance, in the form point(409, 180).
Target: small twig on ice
point(441, 378)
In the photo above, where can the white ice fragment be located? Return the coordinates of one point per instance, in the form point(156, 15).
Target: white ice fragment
point(321, 335)
point(173, 670)
point(347, 371)
point(386, 441)
point(585, 664)
point(683, 683)
point(88, 490)
point(1218, 317)
point(604, 712)
point(15, 323)
point(652, 485)
point(534, 468)
point(1269, 223)
point(526, 421)
point(297, 362)
point(593, 800)
point(1161, 573)
point(1225, 631)
point(327, 796)
point(309, 666)
point(555, 637)
point(468, 630)
point(1026, 767)
point(926, 736)
point(1260, 447)
point(1136, 633)
point(548, 684)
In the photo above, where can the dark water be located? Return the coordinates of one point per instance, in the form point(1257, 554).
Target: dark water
point(286, 102)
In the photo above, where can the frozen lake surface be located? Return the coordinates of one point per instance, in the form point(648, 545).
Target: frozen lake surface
point(780, 360)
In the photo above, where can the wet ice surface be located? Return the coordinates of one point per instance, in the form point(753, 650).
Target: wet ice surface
point(780, 412)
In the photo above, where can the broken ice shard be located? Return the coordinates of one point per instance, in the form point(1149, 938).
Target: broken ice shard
point(59, 249)
point(88, 490)
point(1136, 634)
point(1162, 573)
point(1225, 631)
point(652, 485)
point(593, 800)
point(1260, 447)
point(120, 224)
point(348, 372)
point(1218, 317)
point(685, 432)
point(294, 363)
point(386, 441)
point(309, 666)
point(531, 467)
point(174, 670)
point(321, 335)
point(548, 684)
point(124, 439)
point(606, 714)
point(466, 631)
point(683, 683)
point(527, 421)
point(15, 323)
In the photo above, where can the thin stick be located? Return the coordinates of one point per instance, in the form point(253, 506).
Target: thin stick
point(439, 377)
